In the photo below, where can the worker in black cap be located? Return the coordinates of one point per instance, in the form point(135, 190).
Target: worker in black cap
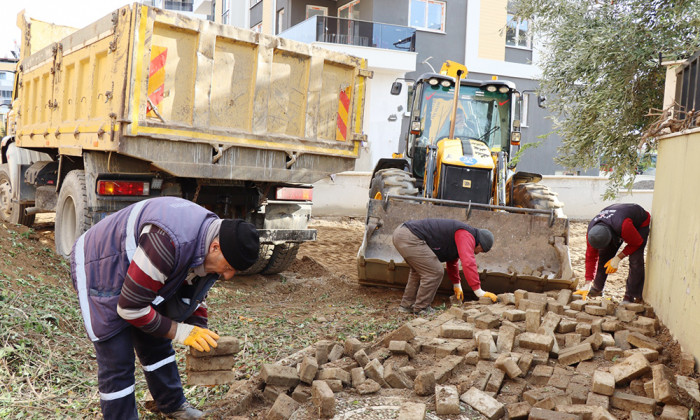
point(615, 224)
point(142, 275)
point(425, 244)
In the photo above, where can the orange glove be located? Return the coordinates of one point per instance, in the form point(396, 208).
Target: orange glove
point(491, 296)
point(459, 294)
point(198, 338)
point(611, 266)
point(584, 290)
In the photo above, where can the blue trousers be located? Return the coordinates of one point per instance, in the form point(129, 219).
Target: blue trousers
point(115, 360)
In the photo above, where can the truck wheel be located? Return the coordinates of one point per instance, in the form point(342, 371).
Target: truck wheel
point(392, 181)
point(282, 257)
point(262, 262)
point(71, 212)
point(11, 212)
point(533, 195)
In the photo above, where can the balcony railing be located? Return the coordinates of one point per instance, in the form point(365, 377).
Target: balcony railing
point(353, 32)
point(688, 88)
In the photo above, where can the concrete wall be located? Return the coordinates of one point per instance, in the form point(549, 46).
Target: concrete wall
point(673, 255)
point(346, 194)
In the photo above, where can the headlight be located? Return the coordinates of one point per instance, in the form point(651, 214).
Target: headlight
point(432, 82)
point(503, 89)
point(415, 127)
point(445, 83)
point(491, 88)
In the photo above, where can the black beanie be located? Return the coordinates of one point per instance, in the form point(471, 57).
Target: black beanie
point(599, 236)
point(240, 243)
point(485, 238)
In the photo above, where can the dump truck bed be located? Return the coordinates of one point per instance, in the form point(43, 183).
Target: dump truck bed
point(194, 98)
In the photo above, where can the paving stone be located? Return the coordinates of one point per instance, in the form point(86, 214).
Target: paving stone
point(535, 341)
point(471, 358)
point(649, 389)
point(549, 323)
point(611, 325)
point(224, 346)
point(583, 328)
point(566, 326)
point(583, 411)
point(564, 296)
point(646, 325)
point(525, 362)
point(486, 322)
point(577, 305)
point(540, 357)
point(638, 415)
point(308, 369)
point(542, 414)
point(357, 376)
point(334, 373)
point(375, 371)
point(649, 354)
point(570, 312)
point(518, 411)
point(541, 374)
point(571, 339)
point(411, 411)
point(595, 310)
point(526, 304)
point(270, 393)
point(334, 384)
point(611, 353)
point(674, 412)
point(630, 368)
point(664, 384)
point(225, 362)
point(369, 386)
point(689, 386)
point(625, 315)
point(404, 333)
point(495, 381)
point(621, 339)
point(600, 413)
point(519, 295)
point(323, 399)
point(634, 307)
point(336, 353)
point(637, 387)
point(555, 307)
point(641, 341)
point(576, 354)
point(282, 409)
point(446, 399)
point(550, 402)
point(514, 315)
point(597, 325)
point(507, 364)
point(603, 383)
point(587, 368)
point(506, 338)
point(352, 346)
point(598, 400)
point(360, 357)
point(279, 375)
point(629, 402)
point(560, 378)
point(514, 387)
point(536, 395)
point(410, 371)
point(687, 364)
point(578, 391)
point(424, 384)
point(302, 393)
point(444, 367)
point(402, 347)
point(532, 320)
point(396, 378)
point(483, 343)
point(506, 298)
point(488, 406)
point(456, 330)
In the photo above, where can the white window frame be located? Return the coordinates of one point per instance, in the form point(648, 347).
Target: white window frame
point(425, 27)
point(310, 7)
point(254, 2)
point(517, 23)
point(280, 20)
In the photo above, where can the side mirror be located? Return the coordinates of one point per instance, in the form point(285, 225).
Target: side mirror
point(396, 88)
point(540, 101)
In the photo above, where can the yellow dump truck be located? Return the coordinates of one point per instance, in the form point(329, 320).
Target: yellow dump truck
point(145, 103)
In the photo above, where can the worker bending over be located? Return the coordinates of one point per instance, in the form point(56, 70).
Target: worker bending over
point(614, 225)
point(425, 245)
point(141, 275)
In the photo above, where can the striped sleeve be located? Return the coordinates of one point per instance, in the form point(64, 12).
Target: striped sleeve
point(152, 264)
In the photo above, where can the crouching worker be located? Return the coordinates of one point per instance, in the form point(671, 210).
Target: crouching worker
point(141, 275)
point(425, 245)
point(607, 231)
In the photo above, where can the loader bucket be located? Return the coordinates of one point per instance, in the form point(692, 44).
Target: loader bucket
point(530, 251)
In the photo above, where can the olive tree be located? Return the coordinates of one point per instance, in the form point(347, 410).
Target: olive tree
point(601, 72)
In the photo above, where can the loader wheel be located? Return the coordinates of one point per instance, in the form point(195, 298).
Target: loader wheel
point(282, 257)
point(71, 212)
point(533, 195)
point(262, 262)
point(11, 212)
point(392, 181)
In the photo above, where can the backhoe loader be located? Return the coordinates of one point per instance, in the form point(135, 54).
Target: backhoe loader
point(458, 165)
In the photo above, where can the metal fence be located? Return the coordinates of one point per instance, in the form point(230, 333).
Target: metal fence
point(688, 88)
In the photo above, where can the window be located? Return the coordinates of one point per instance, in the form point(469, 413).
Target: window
point(350, 10)
point(5, 93)
point(179, 5)
point(257, 28)
point(517, 33)
point(254, 2)
point(315, 11)
point(226, 12)
point(3, 75)
point(428, 14)
point(280, 21)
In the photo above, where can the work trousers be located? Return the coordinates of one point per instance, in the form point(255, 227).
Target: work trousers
point(635, 278)
point(426, 270)
point(115, 375)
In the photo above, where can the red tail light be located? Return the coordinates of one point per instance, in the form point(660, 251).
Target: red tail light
point(298, 194)
point(123, 188)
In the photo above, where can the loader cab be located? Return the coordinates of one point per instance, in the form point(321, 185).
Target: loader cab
point(485, 112)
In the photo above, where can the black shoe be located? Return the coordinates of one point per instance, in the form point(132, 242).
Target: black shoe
point(593, 292)
point(405, 309)
point(186, 411)
point(428, 310)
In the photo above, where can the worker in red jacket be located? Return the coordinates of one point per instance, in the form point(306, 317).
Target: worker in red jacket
point(425, 244)
point(615, 224)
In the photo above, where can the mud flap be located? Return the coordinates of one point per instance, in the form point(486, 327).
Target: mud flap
point(530, 251)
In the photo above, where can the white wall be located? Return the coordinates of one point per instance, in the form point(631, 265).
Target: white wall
point(346, 194)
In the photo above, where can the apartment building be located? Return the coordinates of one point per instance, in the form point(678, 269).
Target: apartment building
point(7, 80)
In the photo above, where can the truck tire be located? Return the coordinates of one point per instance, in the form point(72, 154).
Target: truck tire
point(392, 181)
point(282, 257)
point(71, 212)
point(264, 255)
point(533, 195)
point(11, 212)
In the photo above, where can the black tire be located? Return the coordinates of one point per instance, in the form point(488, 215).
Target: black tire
point(71, 212)
point(262, 262)
point(533, 195)
point(282, 257)
point(392, 181)
point(11, 212)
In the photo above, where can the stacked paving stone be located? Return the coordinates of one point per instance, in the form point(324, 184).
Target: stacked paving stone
point(214, 367)
point(532, 355)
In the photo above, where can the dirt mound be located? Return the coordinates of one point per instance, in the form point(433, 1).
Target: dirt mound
point(308, 267)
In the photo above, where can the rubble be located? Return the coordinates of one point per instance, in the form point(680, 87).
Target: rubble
point(541, 356)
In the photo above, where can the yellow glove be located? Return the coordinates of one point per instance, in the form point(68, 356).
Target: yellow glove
point(611, 266)
point(198, 338)
point(459, 294)
point(491, 296)
point(584, 290)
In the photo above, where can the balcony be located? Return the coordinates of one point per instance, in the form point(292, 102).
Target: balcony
point(354, 32)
